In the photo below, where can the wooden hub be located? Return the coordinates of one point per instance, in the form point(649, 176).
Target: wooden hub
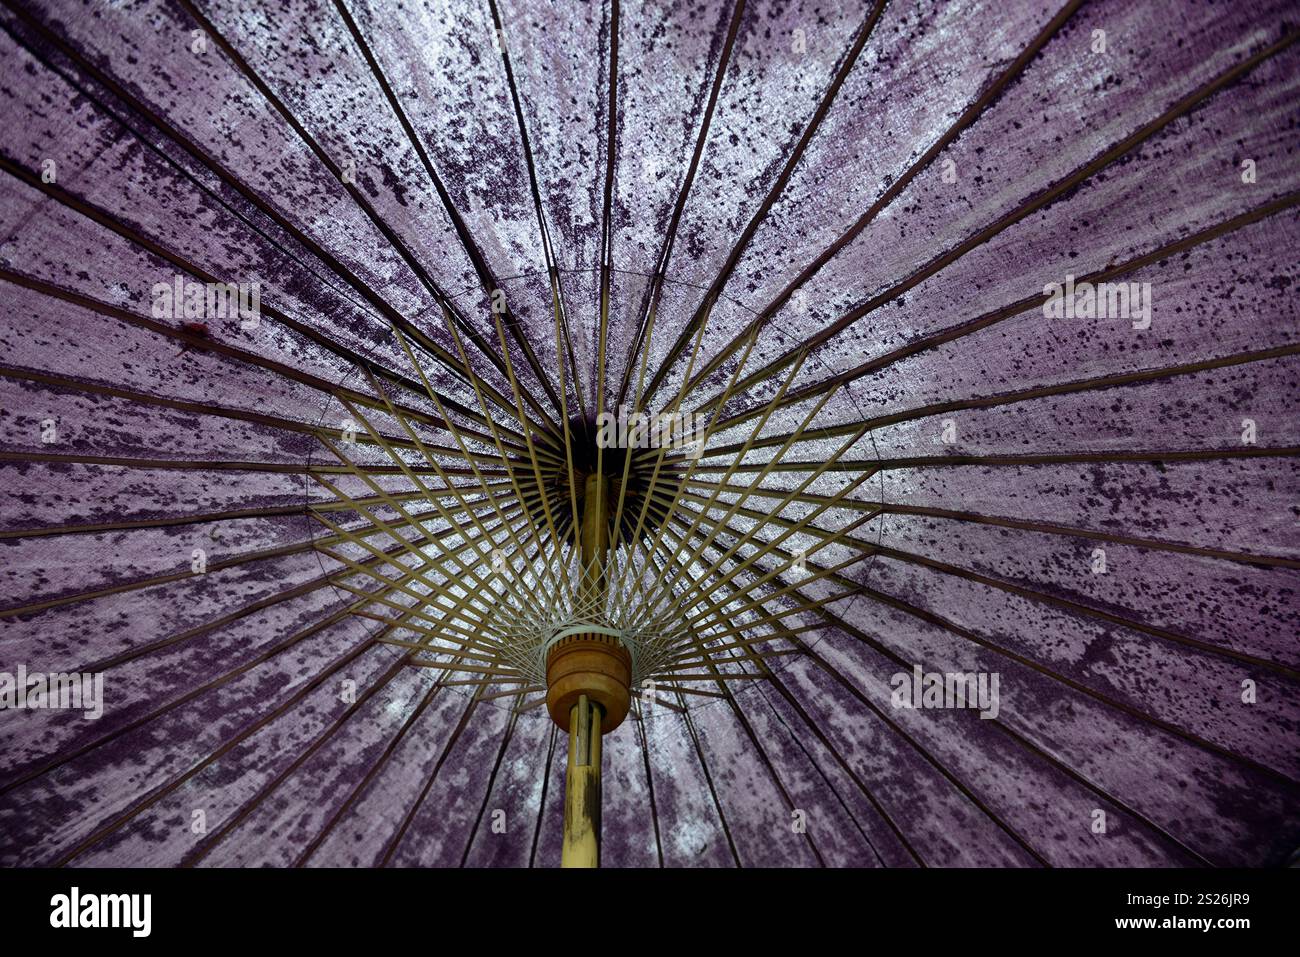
point(594, 665)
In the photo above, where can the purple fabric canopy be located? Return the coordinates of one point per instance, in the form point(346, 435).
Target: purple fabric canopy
point(837, 230)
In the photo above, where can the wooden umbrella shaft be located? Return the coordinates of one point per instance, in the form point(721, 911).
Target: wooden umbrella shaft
point(582, 788)
point(594, 543)
point(582, 776)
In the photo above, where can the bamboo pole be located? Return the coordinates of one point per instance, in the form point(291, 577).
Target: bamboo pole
point(582, 788)
point(581, 846)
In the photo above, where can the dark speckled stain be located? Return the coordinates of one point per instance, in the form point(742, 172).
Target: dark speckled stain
point(1100, 650)
point(394, 184)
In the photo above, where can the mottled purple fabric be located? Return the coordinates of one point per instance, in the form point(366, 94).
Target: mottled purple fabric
point(1104, 512)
